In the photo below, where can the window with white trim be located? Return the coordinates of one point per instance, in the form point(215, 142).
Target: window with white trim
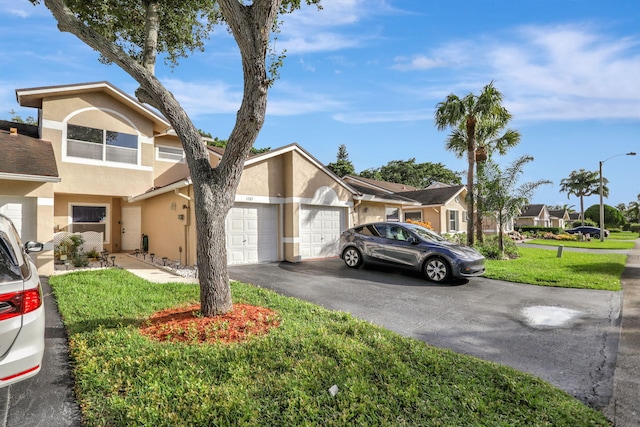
point(166, 153)
point(413, 216)
point(453, 221)
point(100, 144)
point(392, 214)
point(90, 218)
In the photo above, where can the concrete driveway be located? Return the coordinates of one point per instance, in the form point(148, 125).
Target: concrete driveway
point(568, 337)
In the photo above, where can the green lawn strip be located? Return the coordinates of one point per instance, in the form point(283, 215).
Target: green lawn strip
point(572, 270)
point(125, 379)
point(592, 244)
point(624, 235)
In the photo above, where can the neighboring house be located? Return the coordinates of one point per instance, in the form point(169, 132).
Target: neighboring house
point(377, 200)
point(535, 216)
point(442, 205)
point(102, 161)
point(574, 216)
point(559, 217)
point(490, 225)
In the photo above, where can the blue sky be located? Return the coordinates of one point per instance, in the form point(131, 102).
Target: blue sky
point(369, 73)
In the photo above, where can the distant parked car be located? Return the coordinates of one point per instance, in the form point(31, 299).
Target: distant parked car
point(409, 246)
point(21, 308)
point(591, 231)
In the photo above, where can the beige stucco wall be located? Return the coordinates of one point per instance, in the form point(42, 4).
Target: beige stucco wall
point(166, 231)
point(288, 180)
point(114, 180)
point(43, 192)
point(62, 215)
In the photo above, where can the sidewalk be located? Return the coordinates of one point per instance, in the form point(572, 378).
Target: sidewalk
point(148, 271)
point(624, 408)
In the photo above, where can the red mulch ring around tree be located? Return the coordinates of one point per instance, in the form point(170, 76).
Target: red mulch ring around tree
point(185, 324)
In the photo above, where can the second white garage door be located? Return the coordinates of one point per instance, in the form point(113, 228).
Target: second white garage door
point(320, 228)
point(23, 212)
point(252, 234)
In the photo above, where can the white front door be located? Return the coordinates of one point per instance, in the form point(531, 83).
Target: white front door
point(252, 233)
point(131, 227)
point(320, 228)
point(22, 211)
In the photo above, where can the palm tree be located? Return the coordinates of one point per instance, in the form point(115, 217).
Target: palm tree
point(503, 197)
point(582, 184)
point(466, 113)
point(488, 140)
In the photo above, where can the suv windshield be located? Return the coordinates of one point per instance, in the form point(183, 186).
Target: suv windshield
point(425, 233)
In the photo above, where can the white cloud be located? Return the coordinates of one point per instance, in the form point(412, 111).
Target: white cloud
point(549, 72)
point(417, 62)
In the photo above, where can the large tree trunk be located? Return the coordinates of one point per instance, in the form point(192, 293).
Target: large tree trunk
point(214, 189)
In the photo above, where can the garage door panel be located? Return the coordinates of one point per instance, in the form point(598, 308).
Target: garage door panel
point(320, 231)
point(252, 234)
point(23, 213)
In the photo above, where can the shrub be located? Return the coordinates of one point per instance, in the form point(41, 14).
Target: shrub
point(460, 238)
point(537, 230)
point(80, 260)
point(635, 228)
point(490, 248)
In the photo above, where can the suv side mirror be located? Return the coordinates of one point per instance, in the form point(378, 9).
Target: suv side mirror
point(33, 247)
point(412, 240)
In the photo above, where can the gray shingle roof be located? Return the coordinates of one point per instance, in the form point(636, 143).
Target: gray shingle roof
point(26, 155)
point(434, 196)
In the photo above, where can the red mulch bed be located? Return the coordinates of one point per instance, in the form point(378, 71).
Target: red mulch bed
point(185, 324)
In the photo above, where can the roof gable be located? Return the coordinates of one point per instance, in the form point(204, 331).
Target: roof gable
point(534, 211)
point(389, 187)
point(32, 97)
point(434, 196)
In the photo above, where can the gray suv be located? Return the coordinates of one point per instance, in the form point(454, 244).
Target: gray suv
point(409, 246)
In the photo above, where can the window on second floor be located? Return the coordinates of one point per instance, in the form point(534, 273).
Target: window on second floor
point(169, 154)
point(102, 145)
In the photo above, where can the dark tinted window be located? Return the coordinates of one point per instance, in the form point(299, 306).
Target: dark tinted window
point(9, 270)
point(367, 230)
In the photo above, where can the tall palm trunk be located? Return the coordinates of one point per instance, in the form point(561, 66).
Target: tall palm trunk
point(471, 157)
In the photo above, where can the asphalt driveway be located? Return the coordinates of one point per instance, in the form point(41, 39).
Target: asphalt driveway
point(568, 337)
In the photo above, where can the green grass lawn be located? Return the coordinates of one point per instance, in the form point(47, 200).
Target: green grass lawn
point(572, 270)
point(624, 235)
point(282, 379)
point(609, 243)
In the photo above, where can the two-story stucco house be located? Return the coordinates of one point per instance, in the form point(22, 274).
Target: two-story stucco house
point(102, 161)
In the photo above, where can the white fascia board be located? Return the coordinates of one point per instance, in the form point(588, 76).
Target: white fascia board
point(32, 178)
point(153, 193)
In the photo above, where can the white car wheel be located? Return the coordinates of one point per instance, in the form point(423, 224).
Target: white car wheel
point(437, 270)
point(352, 257)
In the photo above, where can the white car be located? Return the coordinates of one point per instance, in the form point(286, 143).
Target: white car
point(21, 308)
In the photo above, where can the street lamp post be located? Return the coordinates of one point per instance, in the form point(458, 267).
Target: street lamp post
point(631, 153)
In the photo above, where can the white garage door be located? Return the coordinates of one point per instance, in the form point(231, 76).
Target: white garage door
point(23, 212)
point(320, 230)
point(252, 234)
